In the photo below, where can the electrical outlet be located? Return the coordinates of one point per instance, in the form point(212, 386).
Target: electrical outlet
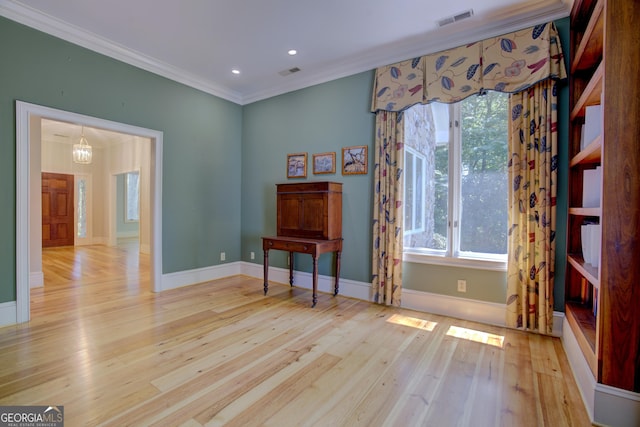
point(223, 256)
point(462, 286)
point(253, 255)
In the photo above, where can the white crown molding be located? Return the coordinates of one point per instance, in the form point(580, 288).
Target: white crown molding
point(448, 38)
point(65, 31)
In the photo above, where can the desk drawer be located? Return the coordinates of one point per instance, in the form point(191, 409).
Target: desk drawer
point(290, 246)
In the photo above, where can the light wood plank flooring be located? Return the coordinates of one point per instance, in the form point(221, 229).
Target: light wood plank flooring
point(221, 353)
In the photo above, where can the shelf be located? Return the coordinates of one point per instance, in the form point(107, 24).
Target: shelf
point(583, 324)
point(589, 52)
point(587, 71)
point(605, 60)
point(581, 12)
point(588, 271)
point(591, 93)
point(591, 154)
point(585, 211)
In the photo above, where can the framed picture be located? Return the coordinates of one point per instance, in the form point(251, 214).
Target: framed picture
point(354, 160)
point(297, 165)
point(324, 163)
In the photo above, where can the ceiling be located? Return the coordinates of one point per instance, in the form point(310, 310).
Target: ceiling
point(199, 42)
point(70, 133)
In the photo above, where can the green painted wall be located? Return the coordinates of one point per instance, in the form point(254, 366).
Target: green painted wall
point(483, 285)
point(202, 141)
point(222, 161)
point(317, 119)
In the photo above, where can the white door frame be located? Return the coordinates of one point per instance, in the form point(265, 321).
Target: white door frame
point(24, 111)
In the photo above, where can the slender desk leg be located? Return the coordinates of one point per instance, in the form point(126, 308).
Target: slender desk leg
point(335, 289)
point(291, 268)
point(266, 271)
point(315, 280)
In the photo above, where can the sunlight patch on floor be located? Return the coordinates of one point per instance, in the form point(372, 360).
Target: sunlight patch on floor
point(477, 336)
point(399, 319)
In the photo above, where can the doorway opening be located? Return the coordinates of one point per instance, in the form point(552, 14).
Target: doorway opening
point(28, 193)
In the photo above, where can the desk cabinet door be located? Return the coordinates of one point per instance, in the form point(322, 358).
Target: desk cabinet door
point(310, 210)
point(302, 215)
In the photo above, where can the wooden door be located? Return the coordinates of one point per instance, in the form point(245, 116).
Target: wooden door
point(57, 210)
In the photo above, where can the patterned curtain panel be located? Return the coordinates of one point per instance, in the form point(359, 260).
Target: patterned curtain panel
point(388, 209)
point(508, 63)
point(533, 166)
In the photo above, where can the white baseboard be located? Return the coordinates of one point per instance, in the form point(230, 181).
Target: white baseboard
point(8, 313)
point(491, 313)
point(581, 372)
point(616, 407)
point(127, 234)
point(36, 279)
point(348, 288)
point(558, 324)
point(199, 275)
point(91, 241)
point(607, 406)
point(461, 308)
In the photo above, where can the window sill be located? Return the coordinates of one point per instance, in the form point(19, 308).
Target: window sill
point(475, 263)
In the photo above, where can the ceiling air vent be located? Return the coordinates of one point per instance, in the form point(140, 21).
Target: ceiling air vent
point(455, 18)
point(289, 71)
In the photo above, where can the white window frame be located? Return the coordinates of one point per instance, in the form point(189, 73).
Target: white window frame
point(126, 197)
point(415, 155)
point(452, 256)
point(88, 238)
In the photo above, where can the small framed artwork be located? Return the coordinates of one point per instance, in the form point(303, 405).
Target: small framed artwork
point(324, 163)
point(354, 160)
point(297, 165)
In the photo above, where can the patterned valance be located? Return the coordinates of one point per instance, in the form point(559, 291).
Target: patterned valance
point(508, 63)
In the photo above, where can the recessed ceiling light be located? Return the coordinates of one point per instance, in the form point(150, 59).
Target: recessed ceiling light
point(235, 71)
point(292, 52)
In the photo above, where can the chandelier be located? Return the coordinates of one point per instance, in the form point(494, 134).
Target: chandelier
point(82, 152)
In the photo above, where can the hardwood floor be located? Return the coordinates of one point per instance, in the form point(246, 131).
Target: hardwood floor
point(221, 353)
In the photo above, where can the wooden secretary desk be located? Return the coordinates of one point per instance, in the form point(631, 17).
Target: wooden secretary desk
point(309, 220)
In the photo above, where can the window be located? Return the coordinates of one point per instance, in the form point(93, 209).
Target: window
point(132, 192)
point(455, 207)
point(414, 216)
point(81, 226)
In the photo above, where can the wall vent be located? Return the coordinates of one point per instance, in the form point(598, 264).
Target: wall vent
point(455, 18)
point(289, 71)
